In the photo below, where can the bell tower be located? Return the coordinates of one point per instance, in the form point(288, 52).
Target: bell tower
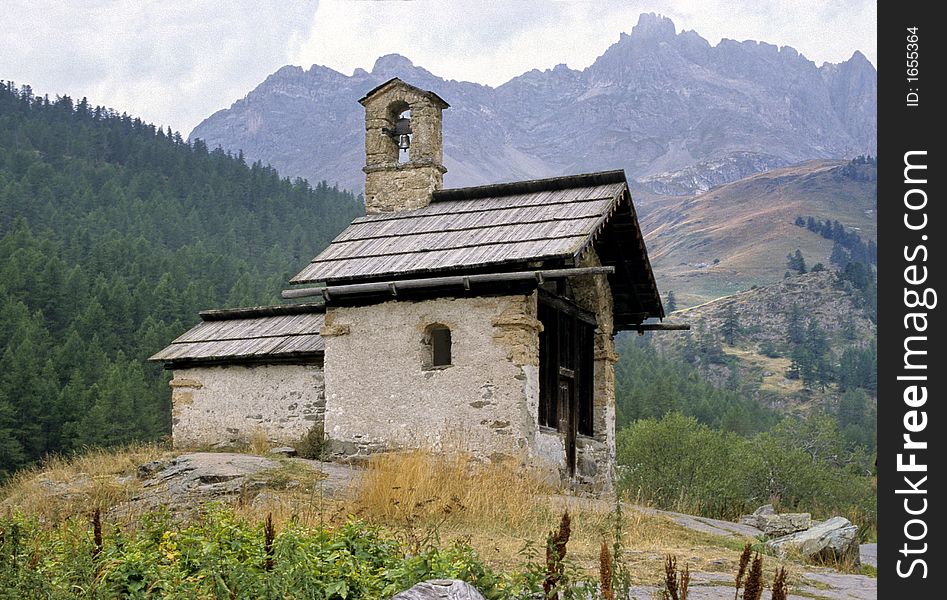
point(403, 147)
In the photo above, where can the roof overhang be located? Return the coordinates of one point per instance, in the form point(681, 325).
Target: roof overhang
point(396, 81)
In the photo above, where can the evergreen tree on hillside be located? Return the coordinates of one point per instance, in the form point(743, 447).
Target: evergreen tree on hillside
point(113, 234)
point(795, 331)
point(857, 368)
point(670, 305)
point(817, 367)
point(796, 262)
point(650, 385)
point(839, 257)
point(731, 325)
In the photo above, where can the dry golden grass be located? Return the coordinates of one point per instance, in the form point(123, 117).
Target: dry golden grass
point(259, 443)
point(422, 486)
point(63, 486)
point(424, 498)
point(776, 382)
point(499, 508)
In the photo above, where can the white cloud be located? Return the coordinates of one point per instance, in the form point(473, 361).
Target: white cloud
point(174, 63)
point(493, 41)
point(170, 63)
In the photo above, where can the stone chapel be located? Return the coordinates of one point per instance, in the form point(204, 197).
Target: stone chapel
point(478, 318)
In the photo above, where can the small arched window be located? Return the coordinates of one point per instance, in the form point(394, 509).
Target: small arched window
point(438, 344)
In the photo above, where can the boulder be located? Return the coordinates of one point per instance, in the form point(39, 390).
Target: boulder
point(786, 523)
point(772, 524)
point(441, 589)
point(184, 483)
point(832, 540)
point(751, 520)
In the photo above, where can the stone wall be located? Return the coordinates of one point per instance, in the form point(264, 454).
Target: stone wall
point(228, 405)
point(595, 456)
point(379, 395)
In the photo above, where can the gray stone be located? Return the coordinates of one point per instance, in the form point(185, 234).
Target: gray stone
point(784, 524)
point(832, 540)
point(284, 451)
point(190, 479)
point(587, 467)
point(868, 553)
point(772, 524)
point(752, 519)
point(441, 589)
point(149, 469)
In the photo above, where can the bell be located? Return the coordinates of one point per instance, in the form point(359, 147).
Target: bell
point(404, 141)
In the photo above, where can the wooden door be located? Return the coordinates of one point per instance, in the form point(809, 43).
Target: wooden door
point(565, 372)
point(568, 413)
point(568, 401)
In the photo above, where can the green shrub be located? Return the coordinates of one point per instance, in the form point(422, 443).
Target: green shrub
point(313, 444)
point(679, 464)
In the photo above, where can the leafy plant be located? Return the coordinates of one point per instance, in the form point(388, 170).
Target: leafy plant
point(313, 444)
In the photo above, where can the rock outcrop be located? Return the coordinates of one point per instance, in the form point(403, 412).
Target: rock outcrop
point(835, 540)
point(773, 524)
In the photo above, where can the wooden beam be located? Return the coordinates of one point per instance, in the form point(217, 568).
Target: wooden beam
point(662, 327)
point(567, 306)
point(465, 281)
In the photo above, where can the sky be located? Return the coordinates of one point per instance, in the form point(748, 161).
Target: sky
point(175, 62)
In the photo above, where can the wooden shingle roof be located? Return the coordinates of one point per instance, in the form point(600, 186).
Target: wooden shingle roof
point(502, 227)
point(457, 231)
point(269, 332)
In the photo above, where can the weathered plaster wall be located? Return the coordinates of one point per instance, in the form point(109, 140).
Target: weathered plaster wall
point(379, 395)
point(227, 405)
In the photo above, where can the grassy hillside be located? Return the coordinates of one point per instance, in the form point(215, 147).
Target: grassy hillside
point(803, 346)
point(738, 235)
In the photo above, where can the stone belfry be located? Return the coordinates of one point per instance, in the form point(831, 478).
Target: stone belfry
point(403, 147)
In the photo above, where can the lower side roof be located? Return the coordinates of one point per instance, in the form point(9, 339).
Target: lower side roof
point(266, 332)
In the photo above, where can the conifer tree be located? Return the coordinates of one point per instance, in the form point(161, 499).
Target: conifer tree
point(113, 234)
point(731, 325)
point(670, 304)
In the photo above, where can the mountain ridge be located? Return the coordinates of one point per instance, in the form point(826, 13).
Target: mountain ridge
point(655, 103)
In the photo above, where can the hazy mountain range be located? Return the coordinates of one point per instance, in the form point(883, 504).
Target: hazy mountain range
point(676, 113)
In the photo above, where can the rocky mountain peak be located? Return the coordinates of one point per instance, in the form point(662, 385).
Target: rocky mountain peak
point(392, 63)
point(695, 114)
point(861, 60)
point(653, 26)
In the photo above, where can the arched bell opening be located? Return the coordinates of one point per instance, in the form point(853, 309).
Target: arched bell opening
point(399, 130)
